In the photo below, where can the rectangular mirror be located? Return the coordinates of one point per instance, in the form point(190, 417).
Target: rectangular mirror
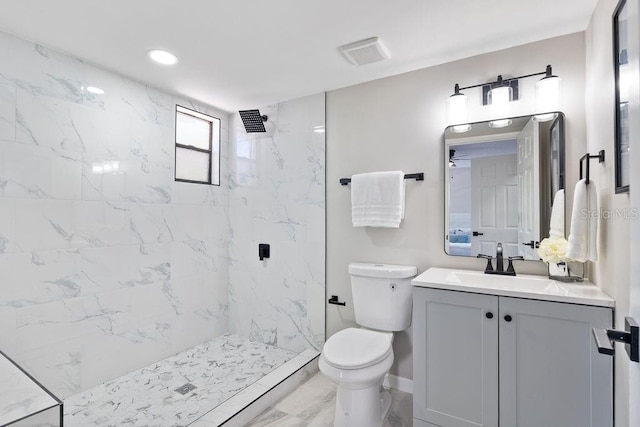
point(501, 179)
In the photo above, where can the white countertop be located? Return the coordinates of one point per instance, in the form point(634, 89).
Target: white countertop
point(520, 286)
point(19, 395)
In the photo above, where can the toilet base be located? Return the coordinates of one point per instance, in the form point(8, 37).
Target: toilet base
point(366, 407)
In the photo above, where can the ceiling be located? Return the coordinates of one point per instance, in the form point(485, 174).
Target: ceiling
point(237, 54)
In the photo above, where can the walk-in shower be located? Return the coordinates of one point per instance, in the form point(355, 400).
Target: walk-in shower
point(133, 298)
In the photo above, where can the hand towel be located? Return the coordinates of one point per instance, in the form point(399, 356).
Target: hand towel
point(556, 222)
point(377, 199)
point(584, 223)
point(594, 218)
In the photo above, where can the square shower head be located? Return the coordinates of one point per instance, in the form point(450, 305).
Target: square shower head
point(253, 121)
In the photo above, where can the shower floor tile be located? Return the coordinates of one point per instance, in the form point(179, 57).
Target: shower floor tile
point(218, 369)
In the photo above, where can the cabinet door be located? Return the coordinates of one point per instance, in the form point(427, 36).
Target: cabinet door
point(551, 373)
point(455, 362)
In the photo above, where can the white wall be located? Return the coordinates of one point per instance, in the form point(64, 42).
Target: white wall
point(397, 123)
point(100, 273)
point(617, 265)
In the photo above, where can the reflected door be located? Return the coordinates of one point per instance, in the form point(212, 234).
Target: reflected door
point(494, 204)
point(529, 190)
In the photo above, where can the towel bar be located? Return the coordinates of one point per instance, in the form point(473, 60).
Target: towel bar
point(588, 157)
point(417, 176)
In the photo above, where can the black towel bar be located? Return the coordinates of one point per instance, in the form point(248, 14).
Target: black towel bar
point(417, 176)
point(587, 157)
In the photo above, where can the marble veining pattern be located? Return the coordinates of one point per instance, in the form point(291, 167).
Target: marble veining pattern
point(219, 369)
point(276, 195)
point(107, 263)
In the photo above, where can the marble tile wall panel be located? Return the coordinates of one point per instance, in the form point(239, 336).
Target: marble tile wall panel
point(7, 112)
point(107, 263)
point(276, 196)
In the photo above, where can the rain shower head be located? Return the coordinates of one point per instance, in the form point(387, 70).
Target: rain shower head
point(253, 121)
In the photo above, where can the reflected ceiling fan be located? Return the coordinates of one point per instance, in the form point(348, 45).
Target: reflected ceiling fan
point(453, 158)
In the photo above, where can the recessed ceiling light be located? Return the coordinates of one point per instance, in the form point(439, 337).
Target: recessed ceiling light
point(163, 57)
point(95, 90)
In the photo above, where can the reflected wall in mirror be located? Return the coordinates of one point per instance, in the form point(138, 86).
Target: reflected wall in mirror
point(501, 179)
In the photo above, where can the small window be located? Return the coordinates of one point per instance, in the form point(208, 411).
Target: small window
point(197, 147)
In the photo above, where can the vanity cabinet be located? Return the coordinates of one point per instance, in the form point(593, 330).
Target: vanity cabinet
point(486, 361)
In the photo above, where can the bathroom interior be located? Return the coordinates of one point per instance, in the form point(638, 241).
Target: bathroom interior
point(152, 282)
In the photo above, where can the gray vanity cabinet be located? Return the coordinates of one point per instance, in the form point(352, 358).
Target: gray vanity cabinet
point(487, 361)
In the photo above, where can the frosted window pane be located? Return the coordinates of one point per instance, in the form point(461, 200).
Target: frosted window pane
point(192, 165)
point(192, 131)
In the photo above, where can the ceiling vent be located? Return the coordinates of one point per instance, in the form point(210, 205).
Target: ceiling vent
point(365, 51)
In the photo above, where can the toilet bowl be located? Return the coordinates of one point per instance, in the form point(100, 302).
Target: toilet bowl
point(357, 359)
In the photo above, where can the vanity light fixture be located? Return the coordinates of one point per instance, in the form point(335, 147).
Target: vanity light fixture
point(499, 97)
point(163, 57)
point(457, 106)
point(548, 95)
point(499, 93)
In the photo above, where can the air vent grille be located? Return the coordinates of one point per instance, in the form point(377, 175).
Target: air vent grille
point(365, 51)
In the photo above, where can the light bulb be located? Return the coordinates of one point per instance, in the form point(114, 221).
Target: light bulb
point(548, 94)
point(457, 108)
point(499, 98)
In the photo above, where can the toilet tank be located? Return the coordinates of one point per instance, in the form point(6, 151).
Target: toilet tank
point(382, 295)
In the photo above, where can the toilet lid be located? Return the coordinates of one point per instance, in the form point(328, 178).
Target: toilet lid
point(354, 348)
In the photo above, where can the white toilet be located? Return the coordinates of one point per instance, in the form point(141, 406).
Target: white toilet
point(357, 359)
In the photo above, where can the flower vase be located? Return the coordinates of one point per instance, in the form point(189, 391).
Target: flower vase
point(566, 271)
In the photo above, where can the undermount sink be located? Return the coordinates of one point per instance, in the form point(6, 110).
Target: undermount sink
point(521, 286)
point(521, 283)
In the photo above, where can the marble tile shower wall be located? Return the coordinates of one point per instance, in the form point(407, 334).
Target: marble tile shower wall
point(277, 196)
point(106, 264)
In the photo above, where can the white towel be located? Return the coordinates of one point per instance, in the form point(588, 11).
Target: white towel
point(584, 223)
point(556, 222)
point(377, 199)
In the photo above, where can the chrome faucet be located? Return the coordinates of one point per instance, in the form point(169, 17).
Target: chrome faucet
point(499, 263)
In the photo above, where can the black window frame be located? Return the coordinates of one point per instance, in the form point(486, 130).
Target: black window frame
point(186, 111)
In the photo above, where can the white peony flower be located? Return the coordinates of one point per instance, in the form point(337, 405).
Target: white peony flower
point(553, 250)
